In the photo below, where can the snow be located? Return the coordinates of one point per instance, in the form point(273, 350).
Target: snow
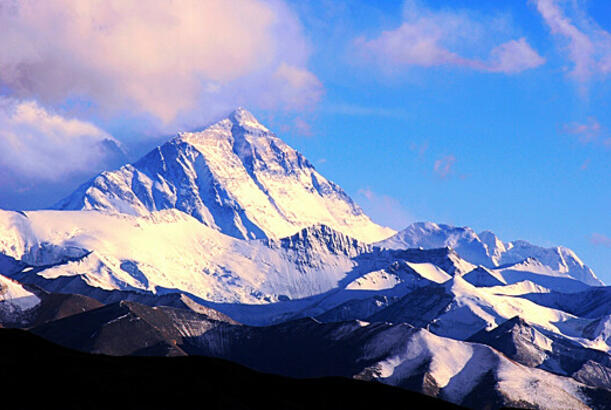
point(519, 288)
point(313, 271)
point(236, 177)
point(15, 300)
point(430, 272)
point(457, 367)
point(489, 251)
point(377, 280)
point(169, 251)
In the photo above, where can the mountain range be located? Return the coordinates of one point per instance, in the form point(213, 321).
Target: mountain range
point(228, 243)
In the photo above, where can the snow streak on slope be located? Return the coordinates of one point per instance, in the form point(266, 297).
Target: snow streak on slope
point(236, 177)
point(487, 250)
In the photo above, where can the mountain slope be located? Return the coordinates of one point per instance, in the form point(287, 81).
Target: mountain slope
point(235, 176)
point(16, 302)
point(488, 250)
point(458, 309)
point(399, 355)
point(523, 343)
point(170, 252)
point(127, 328)
point(69, 379)
point(265, 281)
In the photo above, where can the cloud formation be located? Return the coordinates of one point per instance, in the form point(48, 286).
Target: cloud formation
point(40, 146)
point(588, 45)
point(383, 209)
point(429, 38)
point(444, 167)
point(168, 59)
point(586, 131)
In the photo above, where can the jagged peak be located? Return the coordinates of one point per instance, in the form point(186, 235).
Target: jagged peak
point(318, 232)
point(321, 237)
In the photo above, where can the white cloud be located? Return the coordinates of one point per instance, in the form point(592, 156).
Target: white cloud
point(169, 59)
point(513, 57)
point(588, 46)
point(38, 145)
point(432, 38)
point(444, 167)
point(383, 209)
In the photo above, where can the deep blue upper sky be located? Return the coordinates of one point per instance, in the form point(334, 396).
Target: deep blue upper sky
point(487, 114)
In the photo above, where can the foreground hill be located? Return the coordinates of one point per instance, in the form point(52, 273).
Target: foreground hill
point(470, 374)
point(39, 374)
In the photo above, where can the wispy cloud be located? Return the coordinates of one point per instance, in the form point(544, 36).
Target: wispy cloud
point(586, 131)
point(587, 45)
point(598, 239)
point(419, 149)
point(176, 61)
point(589, 132)
point(585, 164)
point(38, 145)
point(430, 38)
point(444, 167)
point(302, 127)
point(384, 209)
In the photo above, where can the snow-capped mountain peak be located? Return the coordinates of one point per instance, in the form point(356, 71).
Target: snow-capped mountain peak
point(235, 176)
point(487, 250)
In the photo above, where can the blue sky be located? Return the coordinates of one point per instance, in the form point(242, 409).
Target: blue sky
point(487, 114)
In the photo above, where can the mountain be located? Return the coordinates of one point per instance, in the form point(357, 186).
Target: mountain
point(317, 272)
point(488, 250)
point(523, 343)
point(227, 243)
point(456, 308)
point(236, 177)
point(593, 302)
point(73, 380)
point(26, 306)
point(128, 328)
point(16, 302)
point(400, 355)
point(171, 252)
